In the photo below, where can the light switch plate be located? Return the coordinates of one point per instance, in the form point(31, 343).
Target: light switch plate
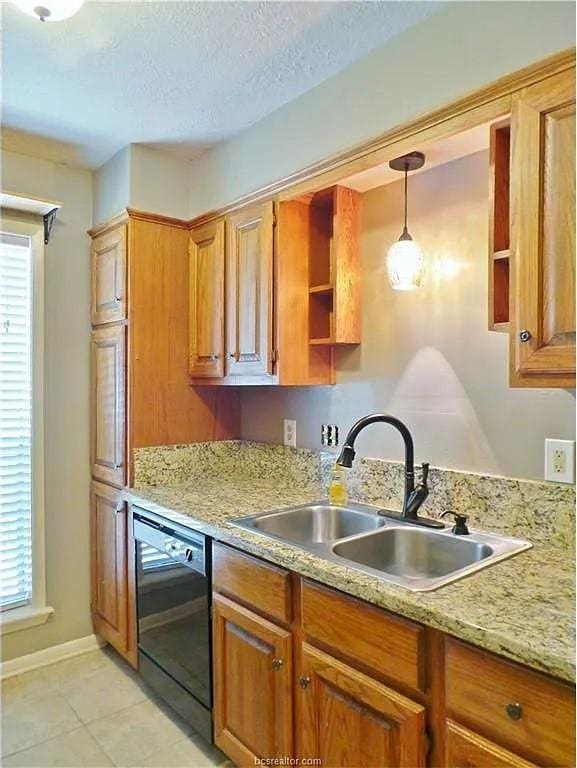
point(560, 460)
point(290, 433)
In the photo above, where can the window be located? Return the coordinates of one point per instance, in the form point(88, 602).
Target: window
point(15, 420)
point(22, 580)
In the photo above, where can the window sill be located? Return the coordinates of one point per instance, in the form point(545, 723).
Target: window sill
point(23, 618)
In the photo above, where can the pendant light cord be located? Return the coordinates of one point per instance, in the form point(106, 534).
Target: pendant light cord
point(406, 177)
point(405, 233)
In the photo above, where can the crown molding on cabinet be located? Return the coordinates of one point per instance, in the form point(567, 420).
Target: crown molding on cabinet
point(482, 105)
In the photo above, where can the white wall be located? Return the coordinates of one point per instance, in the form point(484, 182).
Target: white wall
point(427, 357)
point(67, 337)
point(463, 47)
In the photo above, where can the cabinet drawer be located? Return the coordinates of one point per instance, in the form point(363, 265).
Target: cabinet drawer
point(387, 644)
point(523, 710)
point(465, 749)
point(265, 587)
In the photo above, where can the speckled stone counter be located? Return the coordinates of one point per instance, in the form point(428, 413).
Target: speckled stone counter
point(522, 608)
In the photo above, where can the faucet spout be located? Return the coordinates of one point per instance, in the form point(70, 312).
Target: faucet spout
point(347, 453)
point(412, 497)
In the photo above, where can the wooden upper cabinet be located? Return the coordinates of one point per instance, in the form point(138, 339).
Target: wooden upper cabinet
point(109, 566)
point(543, 233)
point(351, 720)
point(108, 433)
point(206, 325)
point(108, 302)
point(253, 684)
point(249, 294)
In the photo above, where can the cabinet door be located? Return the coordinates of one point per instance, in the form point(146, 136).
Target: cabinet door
point(349, 719)
point(465, 749)
point(108, 448)
point(109, 277)
point(253, 679)
point(109, 601)
point(543, 233)
point(249, 292)
point(206, 321)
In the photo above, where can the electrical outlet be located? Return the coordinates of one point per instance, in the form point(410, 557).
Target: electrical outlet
point(290, 433)
point(560, 460)
point(329, 435)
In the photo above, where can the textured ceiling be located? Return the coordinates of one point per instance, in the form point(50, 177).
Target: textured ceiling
point(179, 76)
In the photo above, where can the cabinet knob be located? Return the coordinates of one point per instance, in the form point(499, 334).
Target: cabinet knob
point(117, 299)
point(277, 664)
point(213, 356)
point(525, 336)
point(304, 682)
point(514, 710)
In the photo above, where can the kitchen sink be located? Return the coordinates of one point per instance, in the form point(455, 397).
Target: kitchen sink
point(314, 524)
point(414, 553)
point(381, 544)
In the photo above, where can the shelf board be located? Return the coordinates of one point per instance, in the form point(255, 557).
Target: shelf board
point(500, 327)
point(501, 255)
point(321, 289)
point(321, 342)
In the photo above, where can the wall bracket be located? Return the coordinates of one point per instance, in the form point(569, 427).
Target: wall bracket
point(49, 219)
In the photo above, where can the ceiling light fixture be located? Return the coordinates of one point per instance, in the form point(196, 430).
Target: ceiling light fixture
point(49, 10)
point(405, 260)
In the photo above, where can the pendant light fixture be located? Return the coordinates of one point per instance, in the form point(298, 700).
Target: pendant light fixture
point(49, 10)
point(405, 260)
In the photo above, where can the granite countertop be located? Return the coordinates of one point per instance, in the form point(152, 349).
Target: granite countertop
point(522, 608)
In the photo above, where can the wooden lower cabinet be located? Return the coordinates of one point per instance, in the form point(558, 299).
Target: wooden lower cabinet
point(109, 566)
point(526, 712)
point(465, 749)
point(252, 684)
point(298, 674)
point(349, 719)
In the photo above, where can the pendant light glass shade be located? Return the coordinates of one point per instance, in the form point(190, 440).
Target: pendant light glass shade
point(405, 263)
point(405, 259)
point(49, 10)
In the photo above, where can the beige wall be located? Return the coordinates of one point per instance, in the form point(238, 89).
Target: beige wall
point(159, 182)
point(462, 47)
point(67, 334)
point(111, 186)
point(427, 357)
point(142, 178)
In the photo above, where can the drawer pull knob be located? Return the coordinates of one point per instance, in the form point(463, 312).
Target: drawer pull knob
point(304, 682)
point(525, 336)
point(277, 664)
point(515, 711)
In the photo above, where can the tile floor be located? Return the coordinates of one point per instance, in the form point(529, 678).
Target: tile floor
point(93, 710)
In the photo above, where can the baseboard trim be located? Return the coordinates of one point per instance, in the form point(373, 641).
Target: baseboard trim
point(50, 656)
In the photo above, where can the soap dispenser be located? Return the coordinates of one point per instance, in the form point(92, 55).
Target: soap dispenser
point(337, 490)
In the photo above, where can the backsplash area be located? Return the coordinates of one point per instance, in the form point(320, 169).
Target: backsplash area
point(541, 511)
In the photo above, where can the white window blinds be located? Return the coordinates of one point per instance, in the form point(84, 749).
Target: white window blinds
point(15, 420)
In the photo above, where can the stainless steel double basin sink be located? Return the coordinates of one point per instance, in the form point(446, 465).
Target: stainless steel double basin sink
point(383, 545)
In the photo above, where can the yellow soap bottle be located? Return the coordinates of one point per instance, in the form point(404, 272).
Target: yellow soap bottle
point(337, 488)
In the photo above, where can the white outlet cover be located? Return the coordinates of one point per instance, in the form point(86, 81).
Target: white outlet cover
point(290, 432)
point(562, 471)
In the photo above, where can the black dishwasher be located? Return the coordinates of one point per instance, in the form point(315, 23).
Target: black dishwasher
point(173, 611)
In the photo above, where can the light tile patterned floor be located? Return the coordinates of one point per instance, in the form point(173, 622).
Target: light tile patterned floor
point(93, 710)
